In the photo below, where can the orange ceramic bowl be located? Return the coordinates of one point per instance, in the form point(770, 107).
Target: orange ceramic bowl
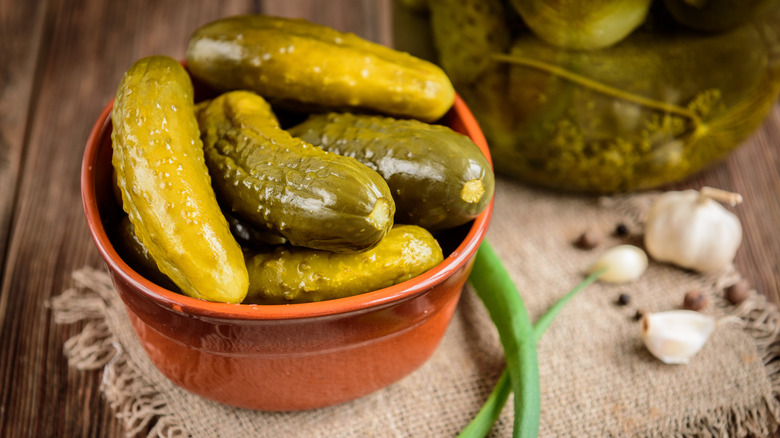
point(283, 357)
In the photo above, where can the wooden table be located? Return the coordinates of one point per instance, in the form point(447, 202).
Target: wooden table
point(61, 63)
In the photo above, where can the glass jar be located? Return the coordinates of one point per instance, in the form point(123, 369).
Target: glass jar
point(605, 96)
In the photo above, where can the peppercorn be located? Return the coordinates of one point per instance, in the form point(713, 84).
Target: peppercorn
point(695, 300)
point(624, 299)
point(588, 239)
point(738, 292)
point(621, 230)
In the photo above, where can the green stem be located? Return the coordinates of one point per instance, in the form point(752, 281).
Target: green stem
point(499, 294)
point(490, 411)
point(482, 423)
point(598, 86)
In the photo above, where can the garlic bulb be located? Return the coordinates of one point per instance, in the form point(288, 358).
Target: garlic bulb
point(692, 230)
point(623, 262)
point(676, 336)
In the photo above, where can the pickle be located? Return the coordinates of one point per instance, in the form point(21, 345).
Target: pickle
point(296, 275)
point(135, 254)
point(165, 185)
point(466, 33)
point(439, 178)
point(283, 185)
point(293, 62)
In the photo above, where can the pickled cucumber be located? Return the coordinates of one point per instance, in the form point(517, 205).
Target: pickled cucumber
point(465, 32)
point(577, 25)
point(281, 184)
point(295, 275)
point(165, 185)
point(439, 178)
point(296, 63)
point(135, 254)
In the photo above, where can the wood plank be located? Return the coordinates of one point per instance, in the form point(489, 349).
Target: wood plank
point(21, 33)
point(21, 30)
point(754, 171)
point(88, 46)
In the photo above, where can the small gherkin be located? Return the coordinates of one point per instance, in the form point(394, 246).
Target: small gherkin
point(283, 185)
point(303, 65)
point(288, 274)
point(439, 178)
point(465, 32)
point(164, 182)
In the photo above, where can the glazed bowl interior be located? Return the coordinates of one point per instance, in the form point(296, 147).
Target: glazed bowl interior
point(103, 214)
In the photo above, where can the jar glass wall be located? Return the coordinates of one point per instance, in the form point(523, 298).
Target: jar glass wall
point(607, 95)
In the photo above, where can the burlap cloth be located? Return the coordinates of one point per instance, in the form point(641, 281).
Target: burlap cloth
point(597, 379)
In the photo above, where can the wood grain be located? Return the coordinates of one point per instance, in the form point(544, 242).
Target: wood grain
point(87, 46)
point(21, 33)
point(755, 169)
point(62, 61)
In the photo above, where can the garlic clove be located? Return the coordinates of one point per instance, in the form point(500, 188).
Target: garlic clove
point(624, 263)
point(677, 335)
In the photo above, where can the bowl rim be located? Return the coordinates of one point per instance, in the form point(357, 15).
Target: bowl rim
point(370, 300)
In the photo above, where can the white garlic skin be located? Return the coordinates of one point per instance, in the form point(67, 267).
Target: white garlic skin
point(676, 336)
point(692, 231)
point(624, 263)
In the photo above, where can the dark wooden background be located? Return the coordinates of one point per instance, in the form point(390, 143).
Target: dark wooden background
point(60, 62)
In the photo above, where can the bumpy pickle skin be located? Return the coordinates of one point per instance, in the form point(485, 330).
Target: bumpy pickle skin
point(298, 63)
point(439, 178)
point(465, 33)
point(298, 275)
point(281, 184)
point(165, 185)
